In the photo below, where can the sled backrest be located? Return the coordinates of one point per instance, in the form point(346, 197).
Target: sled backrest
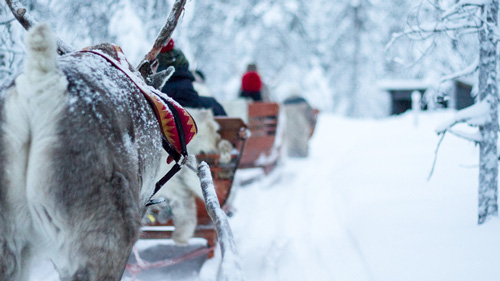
point(263, 120)
point(233, 130)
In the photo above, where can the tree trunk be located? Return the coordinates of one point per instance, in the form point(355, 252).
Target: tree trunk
point(356, 53)
point(488, 157)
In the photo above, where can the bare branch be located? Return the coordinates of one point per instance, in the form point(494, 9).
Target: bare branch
point(452, 24)
point(230, 269)
point(476, 139)
point(435, 156)
point(27, 21)
point(144, 66)
point(457, 8)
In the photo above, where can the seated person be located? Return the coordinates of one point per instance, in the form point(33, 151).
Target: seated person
point(300, 122)
point(180, 85)
point(252, 86)
point(200, 85)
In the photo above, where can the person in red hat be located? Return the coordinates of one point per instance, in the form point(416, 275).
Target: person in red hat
point(251, 84)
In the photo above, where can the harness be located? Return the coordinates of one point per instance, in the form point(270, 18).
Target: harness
point(176, 124)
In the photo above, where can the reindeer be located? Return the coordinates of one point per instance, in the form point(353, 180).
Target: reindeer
point(79, 155)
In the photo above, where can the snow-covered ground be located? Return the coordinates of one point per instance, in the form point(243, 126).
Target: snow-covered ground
point(360, 207)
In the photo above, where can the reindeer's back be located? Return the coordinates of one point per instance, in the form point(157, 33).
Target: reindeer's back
point(106, 131)
point(78, 165)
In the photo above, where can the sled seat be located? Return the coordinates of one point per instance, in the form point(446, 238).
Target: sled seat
point(261, 148)
point(233, 130)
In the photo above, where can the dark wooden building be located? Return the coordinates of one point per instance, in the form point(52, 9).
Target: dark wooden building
point(401, 94)
point(461, 97)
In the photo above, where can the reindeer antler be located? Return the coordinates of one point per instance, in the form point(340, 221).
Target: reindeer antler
point(27, 21)
point(165, 33)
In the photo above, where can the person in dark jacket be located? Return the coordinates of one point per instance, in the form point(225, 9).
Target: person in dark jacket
point(180, 85)
point(299, 123)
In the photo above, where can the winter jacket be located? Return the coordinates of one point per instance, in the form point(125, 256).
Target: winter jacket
point(180, 85)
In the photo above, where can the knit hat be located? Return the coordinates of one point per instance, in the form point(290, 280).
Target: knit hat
point(169, 47)
point(173, 58)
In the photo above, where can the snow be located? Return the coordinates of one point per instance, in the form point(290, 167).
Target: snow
point(402, 84)
point(360, 208)
point(127, 31)
point(230, 263)
point(475, 115)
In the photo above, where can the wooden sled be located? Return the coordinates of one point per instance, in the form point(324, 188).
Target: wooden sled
point(261, 148)
point(235, 131)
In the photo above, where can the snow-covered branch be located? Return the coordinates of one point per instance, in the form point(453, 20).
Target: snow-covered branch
point(457, 8)
point(230, 269)
point(474, 137)
point(473, 67)
point(454, 19)
point(20, 13)
point(429, 29)
point(27, 21)
point(444, 27)
point(475, 115)
point(164, 35)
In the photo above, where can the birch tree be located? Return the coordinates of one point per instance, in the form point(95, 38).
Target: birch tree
point(481, 18)
point(488, 91)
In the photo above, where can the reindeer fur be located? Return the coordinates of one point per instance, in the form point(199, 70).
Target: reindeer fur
point(79, 153)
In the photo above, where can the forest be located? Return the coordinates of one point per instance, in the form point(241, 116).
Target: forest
point(335, 52)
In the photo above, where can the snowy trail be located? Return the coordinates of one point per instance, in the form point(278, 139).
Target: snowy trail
point(301, 215)
point(360, 208)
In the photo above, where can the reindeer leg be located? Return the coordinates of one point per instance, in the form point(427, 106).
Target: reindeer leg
point(97, 239)
point(15, 220)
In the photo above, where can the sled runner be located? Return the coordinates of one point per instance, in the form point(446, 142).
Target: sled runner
point(235, 131)
point(262, 148)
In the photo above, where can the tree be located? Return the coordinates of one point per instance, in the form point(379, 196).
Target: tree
point(11, 52)
point(333, 50)
point(459, 18)
point(488, 91)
